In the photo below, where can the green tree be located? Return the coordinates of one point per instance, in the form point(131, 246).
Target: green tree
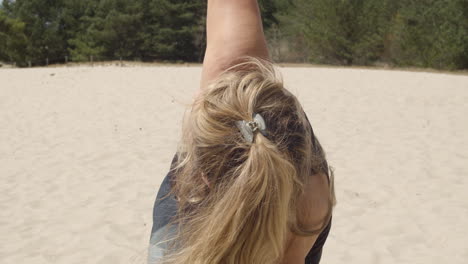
point(174, 29)
point(78, 23)
point(423, 33)
point(340, 31)
point(116, 27)
point(432, 33)
point(12, 40)
point(42, 28)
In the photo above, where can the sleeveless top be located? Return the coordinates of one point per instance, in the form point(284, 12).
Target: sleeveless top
point(165, 208)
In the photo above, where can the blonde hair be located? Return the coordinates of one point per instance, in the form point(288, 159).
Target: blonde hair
point(250, 203)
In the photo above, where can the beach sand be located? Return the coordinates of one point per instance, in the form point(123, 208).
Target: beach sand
point(84, 149)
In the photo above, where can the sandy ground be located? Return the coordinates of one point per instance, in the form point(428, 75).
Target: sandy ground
point(84, 149)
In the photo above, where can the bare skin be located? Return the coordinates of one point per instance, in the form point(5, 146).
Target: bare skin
point(234, 29)
point(314, 206)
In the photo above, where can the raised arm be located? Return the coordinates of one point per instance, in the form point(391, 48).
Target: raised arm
point(234, 29)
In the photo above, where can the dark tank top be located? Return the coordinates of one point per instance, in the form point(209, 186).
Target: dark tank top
point(165, 206)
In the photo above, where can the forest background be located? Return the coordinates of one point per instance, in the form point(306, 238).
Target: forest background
point(395, 33)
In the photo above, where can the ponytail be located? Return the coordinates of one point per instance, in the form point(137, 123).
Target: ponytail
point(265, 186)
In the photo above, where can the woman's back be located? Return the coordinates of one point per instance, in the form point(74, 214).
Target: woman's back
point(250, 178)
point(247, 176)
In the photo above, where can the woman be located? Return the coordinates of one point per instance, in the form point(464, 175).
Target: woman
point(250, 182)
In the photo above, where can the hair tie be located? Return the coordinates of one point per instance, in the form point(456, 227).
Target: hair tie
point(248, 128)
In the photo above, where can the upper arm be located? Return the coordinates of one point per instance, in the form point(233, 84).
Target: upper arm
point(313, 209)
point(297, 249)
point(315, 204)
point(234, 30)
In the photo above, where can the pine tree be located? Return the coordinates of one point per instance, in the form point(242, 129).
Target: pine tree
point(40, 17)
point(432, 33)
point(78, 19)
point(340, 31)
point(174, 29)
point(12, 40)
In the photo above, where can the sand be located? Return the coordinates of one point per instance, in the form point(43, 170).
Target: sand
point(84, 149)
